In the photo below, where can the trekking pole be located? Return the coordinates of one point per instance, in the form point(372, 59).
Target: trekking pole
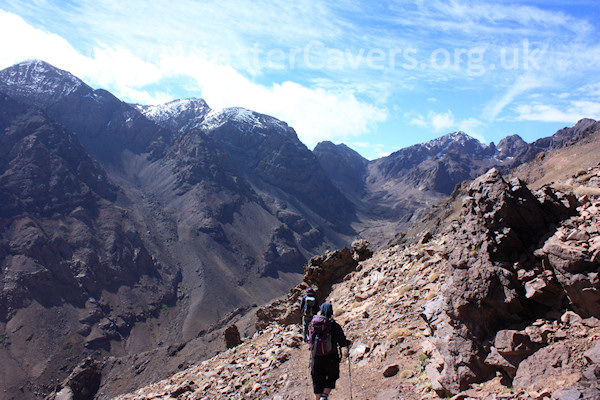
point(308, 377)
point(308, 382)
point(350, 375)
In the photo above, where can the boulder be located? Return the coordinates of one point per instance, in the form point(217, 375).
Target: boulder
point(391, 370)
point(82, 384)
point(510, 348)
point(232, 336)
point(547, 369)
point(571, 253)
point(593, 354)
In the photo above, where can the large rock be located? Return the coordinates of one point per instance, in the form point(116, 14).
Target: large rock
point(573, 253)
point(500, 223)
point(321, 273)
point(510, 348)
point(82, 384)
point(232, 336)
point(547, 369)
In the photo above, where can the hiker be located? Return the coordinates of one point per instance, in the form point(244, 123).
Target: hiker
point(326, 339)
point(310, 307)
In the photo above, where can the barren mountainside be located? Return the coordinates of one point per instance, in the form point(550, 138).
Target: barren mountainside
point(132, 236)
point(503, 304)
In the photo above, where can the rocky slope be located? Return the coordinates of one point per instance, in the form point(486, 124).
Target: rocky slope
point(75, 274)
point(503, 304)
point(391, 193)
point(155, 230)
point(130, 232)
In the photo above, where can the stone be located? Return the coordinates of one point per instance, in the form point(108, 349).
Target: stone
point(570, 318)
point(593, 354)
point(567, 394)
point(506, 363)
point(359, 351)
point(544, 292)
point(391, 370)
point(548, 365)
point(82, 384)
point(512, 342)
point(592, 322)
point(232, 336)
point(64, 394)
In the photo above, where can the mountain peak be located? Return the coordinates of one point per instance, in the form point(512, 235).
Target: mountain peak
point(177, 115)
point(244, 119)
point(38, 82)
point(452, 143)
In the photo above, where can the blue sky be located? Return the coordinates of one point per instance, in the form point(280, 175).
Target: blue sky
point(378, 76)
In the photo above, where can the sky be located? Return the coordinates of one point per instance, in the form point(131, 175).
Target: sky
point(376, 75)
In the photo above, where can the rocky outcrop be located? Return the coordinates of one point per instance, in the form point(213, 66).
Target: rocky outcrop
point(82, 384)
point(495, 280)
point(320, 273)
point(573, 253)
point(324, 271)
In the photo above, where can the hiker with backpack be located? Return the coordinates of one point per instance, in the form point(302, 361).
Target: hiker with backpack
point(326, 340)
point(310, 307)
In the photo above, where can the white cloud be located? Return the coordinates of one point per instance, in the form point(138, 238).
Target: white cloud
point(571, 113)
point(119, 67)
point(419, 121)
point(522, 85)
point(20, 41)
point(446, 122)
point(316, 113)
point(442, 122)
point(438, 122)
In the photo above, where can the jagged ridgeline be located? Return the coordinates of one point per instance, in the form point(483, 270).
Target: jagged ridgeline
point(132, 235)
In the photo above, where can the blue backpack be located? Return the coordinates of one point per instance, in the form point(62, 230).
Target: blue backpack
point(319, 336)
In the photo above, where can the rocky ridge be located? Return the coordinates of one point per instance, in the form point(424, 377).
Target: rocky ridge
point(133, 235)
point(450, 315)
point(391, 194)
point(187, 214)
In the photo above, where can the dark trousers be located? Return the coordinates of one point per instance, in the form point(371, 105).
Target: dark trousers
point(325, 370)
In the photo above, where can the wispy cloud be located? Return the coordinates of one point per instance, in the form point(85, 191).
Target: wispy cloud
point(315, 112)
point(571, 113)
point(522, 85)
point(333, 70)
point(445, 122)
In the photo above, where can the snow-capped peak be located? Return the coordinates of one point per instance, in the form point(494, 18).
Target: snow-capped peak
point(168, 110)
point(442, 142)
point(245, 119)
point(177, 115)
point(38, 80)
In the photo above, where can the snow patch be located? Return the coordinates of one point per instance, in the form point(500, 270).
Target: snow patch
point(246, 120)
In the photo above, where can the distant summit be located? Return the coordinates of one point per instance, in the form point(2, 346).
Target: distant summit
point(39, 83)
point(129, 227)
point(177, 115)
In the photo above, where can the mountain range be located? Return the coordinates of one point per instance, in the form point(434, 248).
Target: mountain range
point(126, 227)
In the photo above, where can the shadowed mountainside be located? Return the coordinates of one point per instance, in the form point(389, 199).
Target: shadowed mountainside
point(130, 232)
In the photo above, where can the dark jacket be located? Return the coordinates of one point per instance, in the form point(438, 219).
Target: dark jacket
point(315, 308)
